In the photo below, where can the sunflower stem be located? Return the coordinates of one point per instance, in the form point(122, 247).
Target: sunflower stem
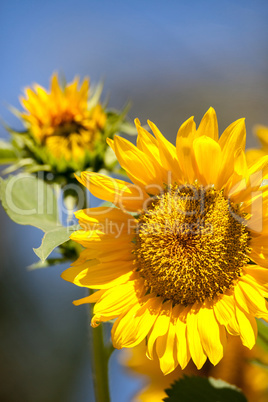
point(99, 362)
point(99, 353)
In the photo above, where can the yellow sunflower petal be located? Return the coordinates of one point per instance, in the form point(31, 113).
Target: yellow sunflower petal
point(184, 142)
point(249, 298)
point(147, 143)
point(139, 167)
point(160, 327)
point(113, 253)
point(56, 90)
point(117, 300)
point(110, 221)
point(233, 137)
point(42, 94)
point(75, 273)
point(247, 327)
point(102, 276)
point(96, 239)
point(250, 184)
point(126, 195)
point(260, 243)
point(167, 153)
point(166, 349)
point(257, 279)
point(209, 125)
point(212, 334)
point(89, 299)
point(196, 349)
point(84, 89)
point(224, 311)
point(134, 326)
point(183, 351)
point(259, 255)
point(207, 149)
point(258, 171)
point(257, 202)
point(237, 173)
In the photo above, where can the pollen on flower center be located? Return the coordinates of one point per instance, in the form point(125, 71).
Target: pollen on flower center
point(191, 244)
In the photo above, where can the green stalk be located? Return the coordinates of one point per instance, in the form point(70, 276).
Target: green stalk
point(99, 362)
point(99, 353)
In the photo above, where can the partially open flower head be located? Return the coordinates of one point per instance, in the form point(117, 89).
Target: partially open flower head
point(253, 154)
point(66, 127)
point(181, 260)
point(61, 120)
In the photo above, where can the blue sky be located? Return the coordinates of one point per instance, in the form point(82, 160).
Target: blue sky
point(132, 44)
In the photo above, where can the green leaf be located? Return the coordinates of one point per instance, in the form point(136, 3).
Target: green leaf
point(262, 339)
point(29, 201)
point(192, 389)
point(7, 152)
point(53, 239)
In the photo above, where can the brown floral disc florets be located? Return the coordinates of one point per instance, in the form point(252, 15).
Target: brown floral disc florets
point(191, 244)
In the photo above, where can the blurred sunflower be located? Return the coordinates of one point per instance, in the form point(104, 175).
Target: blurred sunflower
point(254, 154)
point(182, 258)
point(61, 120)
point(237, 367)
point(66, 129)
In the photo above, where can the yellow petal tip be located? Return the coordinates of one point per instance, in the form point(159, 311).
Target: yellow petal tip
point(137, 122)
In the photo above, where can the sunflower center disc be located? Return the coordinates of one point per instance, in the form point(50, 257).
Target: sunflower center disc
point(191, 244)
point(65, 128)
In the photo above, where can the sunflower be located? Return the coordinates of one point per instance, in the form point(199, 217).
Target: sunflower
point(237, 368)
point(61, 121)
point(252, 155)
point(181, 259)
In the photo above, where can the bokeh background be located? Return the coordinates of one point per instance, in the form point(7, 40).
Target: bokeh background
point(173, 60)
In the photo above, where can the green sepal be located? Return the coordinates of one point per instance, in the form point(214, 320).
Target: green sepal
point(7, 153)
